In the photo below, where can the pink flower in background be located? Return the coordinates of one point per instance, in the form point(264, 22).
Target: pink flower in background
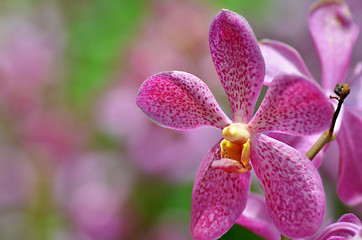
point(28, 55)
point(26, 58)
point(18, 181)
point(334, 32)
point(160, 46)
point(92, 190)
point(255, 217)
point(293, 188)
point(51, 134)
point(17, 178)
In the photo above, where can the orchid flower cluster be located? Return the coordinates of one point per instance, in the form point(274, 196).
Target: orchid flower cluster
point(294, 104)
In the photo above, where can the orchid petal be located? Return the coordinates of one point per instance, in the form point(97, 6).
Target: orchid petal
point(334, 32)
point(218, 198)
point(230, 165)
point(293, 188)
point(338, 230)
point(354, 98)
point(180, 100)
point(292, 105)
point(281, 58)
point(255, 217)
point(238, 62)
point(350, 218)
point(346, 227)
point(330, 167)
point(349, 138)
point(302, 143)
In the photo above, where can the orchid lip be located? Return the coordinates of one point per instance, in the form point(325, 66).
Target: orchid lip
point(236, 133)
point(235, 149)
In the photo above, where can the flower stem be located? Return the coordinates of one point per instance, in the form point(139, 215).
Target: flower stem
point(342, 90)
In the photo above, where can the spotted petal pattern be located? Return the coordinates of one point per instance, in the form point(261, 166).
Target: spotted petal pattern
point(281, 58)
point(238, 62)
point(218, 198)
point(180, 100)
point(292, 105)
point(334, 32)
point(301, 143)
point(293, 189)
point(350, 173)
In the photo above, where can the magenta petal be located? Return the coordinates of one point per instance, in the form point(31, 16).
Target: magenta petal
point(346, 227)
point(293, 105)
point(349, 138)
point(350, 218)
point(355, 83)
point(302, 143)
point(238, 62)
point(281, 58)
point(228, 164)
point(218, 198)
point(293, 188)
point(334, 32)
point(180, 100)
point(256, 218)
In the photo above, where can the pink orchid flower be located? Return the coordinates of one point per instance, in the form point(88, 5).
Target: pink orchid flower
point(256, 219)
point(92, 191)
point(347, 227)
point(293, 188)
point(334, 32)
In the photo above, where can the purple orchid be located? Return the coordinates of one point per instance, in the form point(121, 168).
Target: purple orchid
point(334, 32)
point(293, 188)
point(256, 219)
point(347, 227)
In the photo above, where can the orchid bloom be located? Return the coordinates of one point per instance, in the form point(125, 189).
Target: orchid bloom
point(293, 188)
point(256, 219)
point(334, 32)
point(347, 227)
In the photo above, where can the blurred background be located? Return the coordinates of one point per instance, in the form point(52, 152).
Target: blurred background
point(78, 159)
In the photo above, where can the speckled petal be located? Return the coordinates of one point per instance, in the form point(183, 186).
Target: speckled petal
point(281, 58)
point(349, 138)
point(302, 144)
point(256, 218)
point(293, 188)
point(334, 32)
point(180, 100)
point(292, 105)
point(218, 198)
point(238, 62)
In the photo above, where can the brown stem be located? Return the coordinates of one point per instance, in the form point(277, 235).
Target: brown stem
point(342, 90)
